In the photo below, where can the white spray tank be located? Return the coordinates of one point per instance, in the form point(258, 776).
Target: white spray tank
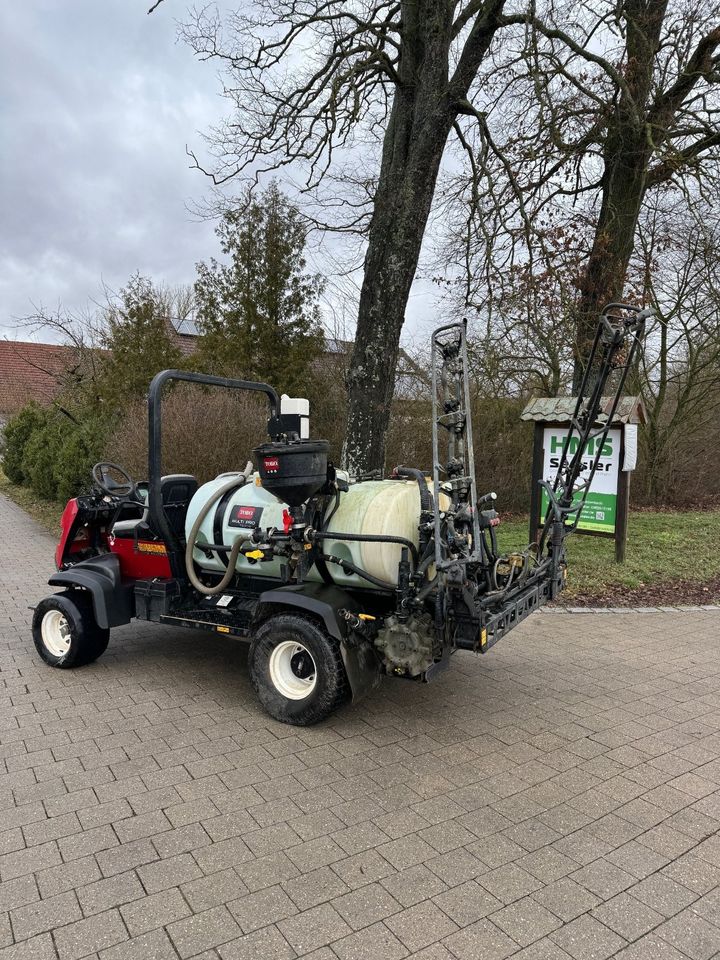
point(376, 508)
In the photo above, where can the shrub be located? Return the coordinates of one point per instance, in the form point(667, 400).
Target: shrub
point(205, 432)
point(51, 454)
point(18, 431)
point(82, 448)
point(41, 455)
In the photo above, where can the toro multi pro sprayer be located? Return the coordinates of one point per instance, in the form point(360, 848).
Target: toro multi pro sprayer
point(333, 580)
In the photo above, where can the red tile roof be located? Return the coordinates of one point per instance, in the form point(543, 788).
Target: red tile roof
point(31, 371)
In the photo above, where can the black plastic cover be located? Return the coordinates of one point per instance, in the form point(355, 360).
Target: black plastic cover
point(295, 471)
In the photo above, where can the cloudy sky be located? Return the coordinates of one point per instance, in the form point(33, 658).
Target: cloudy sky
point(99, 101)
point(98, 104)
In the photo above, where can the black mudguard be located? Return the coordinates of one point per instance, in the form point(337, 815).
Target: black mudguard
point(112, 599)
point(324, 601)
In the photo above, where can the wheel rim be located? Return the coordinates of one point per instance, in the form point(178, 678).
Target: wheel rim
point(292, 670)
point(55, 632)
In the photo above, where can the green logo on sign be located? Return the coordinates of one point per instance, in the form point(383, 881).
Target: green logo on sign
point(556, 446)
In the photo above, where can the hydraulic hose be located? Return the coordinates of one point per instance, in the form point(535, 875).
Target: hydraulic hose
point(370, 538)
point(427, 503)
point(238, 480)
point(340, 562)
point(427, 589)
point(426, 500)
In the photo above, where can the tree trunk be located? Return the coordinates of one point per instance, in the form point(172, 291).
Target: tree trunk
point(627, 152)
point(395, 239)
point(425, 105)
point(607, 266)
point(415, 139)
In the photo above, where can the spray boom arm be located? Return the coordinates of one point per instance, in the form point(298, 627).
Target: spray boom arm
point(617, 341)
point(480, 593)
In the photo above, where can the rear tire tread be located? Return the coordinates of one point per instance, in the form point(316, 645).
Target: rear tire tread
point(332, 688)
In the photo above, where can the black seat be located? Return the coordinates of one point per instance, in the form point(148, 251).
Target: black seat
point(177, 490)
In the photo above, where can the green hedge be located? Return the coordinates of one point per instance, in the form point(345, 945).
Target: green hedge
point(48, 452)
point(17, 433)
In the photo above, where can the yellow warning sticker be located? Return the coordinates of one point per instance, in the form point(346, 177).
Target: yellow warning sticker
point(223, 629)
point(483, 637)
point(145, 547)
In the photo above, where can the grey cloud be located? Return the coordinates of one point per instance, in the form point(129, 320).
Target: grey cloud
point(98, 104)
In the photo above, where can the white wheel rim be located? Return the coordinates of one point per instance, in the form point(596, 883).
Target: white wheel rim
point(292, 670)
point(55, 632)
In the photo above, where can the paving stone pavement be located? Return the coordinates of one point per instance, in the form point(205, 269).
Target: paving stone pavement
point(559, 797)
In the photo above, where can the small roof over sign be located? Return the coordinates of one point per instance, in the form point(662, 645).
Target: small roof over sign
point(561, 409)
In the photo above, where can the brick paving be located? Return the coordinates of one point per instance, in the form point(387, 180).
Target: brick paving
point(558, 798)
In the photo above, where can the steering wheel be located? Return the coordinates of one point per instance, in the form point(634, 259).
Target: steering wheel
point(101, 476)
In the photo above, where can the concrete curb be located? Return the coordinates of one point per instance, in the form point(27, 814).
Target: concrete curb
point(568, 610)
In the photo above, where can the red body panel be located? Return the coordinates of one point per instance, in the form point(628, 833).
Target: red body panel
point(73, 538)
point(84, 534)
point(140, 559)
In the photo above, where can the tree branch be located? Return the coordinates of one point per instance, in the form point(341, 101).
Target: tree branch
point(476, 46)
point(700, 65)
point(553, 33)
point(662, 172)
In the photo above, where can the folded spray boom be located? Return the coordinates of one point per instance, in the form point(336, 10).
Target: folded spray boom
point(481, 592)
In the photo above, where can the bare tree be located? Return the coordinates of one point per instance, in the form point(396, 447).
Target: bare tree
point(591, 108)
point(522, 333)
point(680, 370)
point(91, 335)
point(81, 333)
point(326, 86)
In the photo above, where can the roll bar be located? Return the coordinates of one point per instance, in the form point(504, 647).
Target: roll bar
point(156, 511)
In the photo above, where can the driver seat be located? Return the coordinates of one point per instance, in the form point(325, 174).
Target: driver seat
point(177, 490)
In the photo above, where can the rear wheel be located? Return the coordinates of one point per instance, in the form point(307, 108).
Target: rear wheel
point(65, 630)
point(297, 670)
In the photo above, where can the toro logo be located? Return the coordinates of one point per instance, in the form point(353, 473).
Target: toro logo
point(271, 464)
point(243, 515)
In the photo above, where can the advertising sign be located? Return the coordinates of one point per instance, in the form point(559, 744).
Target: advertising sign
point(600, 510)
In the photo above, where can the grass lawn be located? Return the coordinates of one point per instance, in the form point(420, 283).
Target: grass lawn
point(663, 548)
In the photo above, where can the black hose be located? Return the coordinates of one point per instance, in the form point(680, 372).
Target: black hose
point(360, 573)
point(370, 538)
point(425, 564)
point(426, 500)
point(328, 520)
point(427, 589)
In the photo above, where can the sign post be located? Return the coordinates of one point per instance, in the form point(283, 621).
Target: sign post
point(605, 513)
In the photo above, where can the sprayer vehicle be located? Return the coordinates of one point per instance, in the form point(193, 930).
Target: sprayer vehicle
point(334, 581)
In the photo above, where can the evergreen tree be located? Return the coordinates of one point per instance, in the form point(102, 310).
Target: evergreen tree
point(138, 343)
point(258, 312)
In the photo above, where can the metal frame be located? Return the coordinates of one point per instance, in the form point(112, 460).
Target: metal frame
point(484, 608)
point(157, 517)
point(610, 340)
point(462, 437)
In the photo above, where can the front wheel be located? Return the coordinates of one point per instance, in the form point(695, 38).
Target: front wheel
point(65, 630)
point(297, 670)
